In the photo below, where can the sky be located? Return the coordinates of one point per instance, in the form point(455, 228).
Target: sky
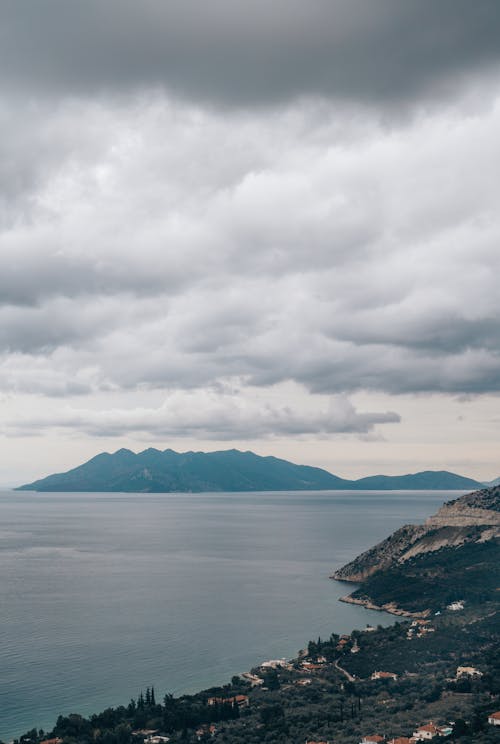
point(270, 226)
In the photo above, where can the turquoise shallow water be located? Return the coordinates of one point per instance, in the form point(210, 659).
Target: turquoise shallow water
point(104, 594)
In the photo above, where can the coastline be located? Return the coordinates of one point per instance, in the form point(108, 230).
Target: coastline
point(390, 607)
point(385, 649)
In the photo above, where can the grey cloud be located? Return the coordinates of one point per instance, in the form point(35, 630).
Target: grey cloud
point(209, 417)
point(238, 52)
point(57, 323)
point(22, 374)
point(425, 332)
point(149, 261)
point(32, 276)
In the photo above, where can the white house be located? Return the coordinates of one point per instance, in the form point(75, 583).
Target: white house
point(464, 671)
point(426, 732)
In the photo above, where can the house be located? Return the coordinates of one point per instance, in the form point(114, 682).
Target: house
point(57, 740)
point(240, 701)
point(456, 606)
point(310, 666)
point(494, 719)
point(276, 664)
point(150, 736)
point(384, 675)
point(401, 740)
point(317, 742)
point(304, 681)
point(464, 671)
point(374, 739)
point(252, 678)
point(427, 731)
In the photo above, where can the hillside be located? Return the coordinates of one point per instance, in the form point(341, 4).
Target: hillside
point(156, 471)
point(454, 555)
point(427, 480)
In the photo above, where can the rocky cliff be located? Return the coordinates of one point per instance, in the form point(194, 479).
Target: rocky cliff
point(473, 518)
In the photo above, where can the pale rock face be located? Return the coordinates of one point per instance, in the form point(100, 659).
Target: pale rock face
point(459, 515)
point(474, 517)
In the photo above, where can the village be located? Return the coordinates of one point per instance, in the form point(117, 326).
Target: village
point(323, 680)
point(407, 683)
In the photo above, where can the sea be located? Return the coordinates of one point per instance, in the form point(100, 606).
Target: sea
point(104, 595)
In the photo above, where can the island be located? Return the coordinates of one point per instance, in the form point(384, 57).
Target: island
point(157, 471)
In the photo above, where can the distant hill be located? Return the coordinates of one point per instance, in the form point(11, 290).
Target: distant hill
point(495, 482)
point(427, 480)
point(156, 471)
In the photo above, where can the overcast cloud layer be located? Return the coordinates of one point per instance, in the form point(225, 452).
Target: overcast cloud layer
point(239, 52)
point(219, 221)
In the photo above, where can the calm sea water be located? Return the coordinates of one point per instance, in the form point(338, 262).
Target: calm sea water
point(102, 595)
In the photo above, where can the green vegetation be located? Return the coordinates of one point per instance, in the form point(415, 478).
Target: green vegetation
point(434, 580)
point(153, 471)
point(427, 480)
point(330, 707)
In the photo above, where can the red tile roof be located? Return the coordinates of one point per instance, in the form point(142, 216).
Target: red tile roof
point(430, 727)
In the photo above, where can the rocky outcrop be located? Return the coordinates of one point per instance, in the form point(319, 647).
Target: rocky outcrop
point(389, 607)
point(466, 513)
point(486, 498)
point(474, 517)
point(381, 555)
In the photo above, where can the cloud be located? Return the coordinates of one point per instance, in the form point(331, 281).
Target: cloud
point(165, 246)
point(235, 52)
point(207, 416)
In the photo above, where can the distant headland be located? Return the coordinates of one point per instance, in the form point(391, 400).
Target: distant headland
point(157, 471)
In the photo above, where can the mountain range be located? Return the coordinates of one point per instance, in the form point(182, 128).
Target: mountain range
point(156, 471)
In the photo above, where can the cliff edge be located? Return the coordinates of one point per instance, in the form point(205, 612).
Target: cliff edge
point(472, 518)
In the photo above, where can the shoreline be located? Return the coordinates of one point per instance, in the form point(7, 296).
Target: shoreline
point(390, 607)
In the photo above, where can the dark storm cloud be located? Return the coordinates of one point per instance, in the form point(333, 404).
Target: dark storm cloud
point(243, 52)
